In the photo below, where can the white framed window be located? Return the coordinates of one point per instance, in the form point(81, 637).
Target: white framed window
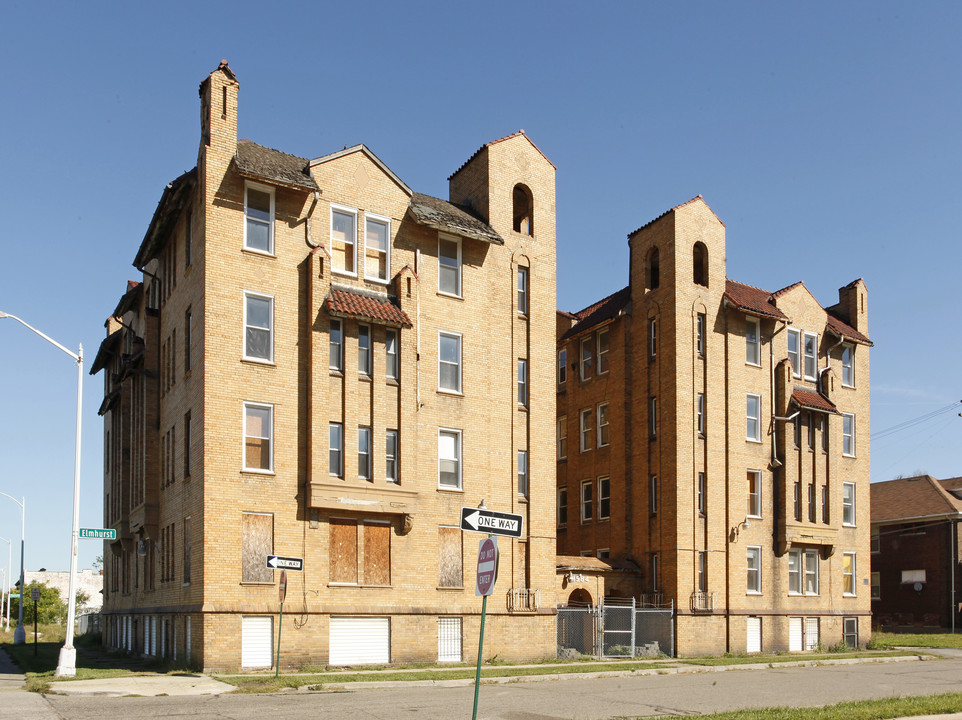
point(258, 437)
point(812, 508)
point(653, 571)
point(652, 417)
point(259, 218)
point(700, 414)
point(585, 366)
point(562, 507)
point(562, 437)
point(449, 266)
point(449, 362)
point(848, 435)
point(794, 572)
point(794, 346)
point(335, 452)
point(753, 342)
point(391, 456)
point(702, 570)
point(364, 349)
point(258, 327)
point(848, 574)
point(585, 418)
point(810, 351)
point(392, 367)
point(344, 240)
point(848, 365)
point(603, 343)
point(377, 247)
point(449, 459)
point(522, 382)
point(910, 577)
point(562, 366)
point(876, 545)
point(364, 453)
point(700, 321)
point(587, 501)
point(604, 497)
point(652, 337)
point(522, 291)
point(702, 494)
point(848, 504)
point(811, 572)
point(876, 586)
point(753, 414)
point(603, 424)
point(522, 473)
point(653, 494)
point(755, 493)
point(336, 354)
point(753, 565)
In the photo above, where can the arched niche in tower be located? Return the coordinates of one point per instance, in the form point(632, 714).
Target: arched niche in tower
point(652, 270)
point(523, 206)
point(700, 264)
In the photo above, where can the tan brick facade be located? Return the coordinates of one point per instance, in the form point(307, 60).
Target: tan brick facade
point(735, 553)
point(186, 578)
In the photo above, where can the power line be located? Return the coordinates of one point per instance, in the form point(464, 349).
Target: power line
point(916, 421)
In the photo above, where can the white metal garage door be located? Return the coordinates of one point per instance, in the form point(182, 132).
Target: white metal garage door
point(360, 641)
point(794, 634)
point(754, 635)
point(256, 641)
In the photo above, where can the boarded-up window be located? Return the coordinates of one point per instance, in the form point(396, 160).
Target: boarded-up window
point(377, 554)
point(450, 566)
point(258, 543)
point(343, 551)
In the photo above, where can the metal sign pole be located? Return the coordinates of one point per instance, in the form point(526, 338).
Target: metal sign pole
point(484, 588)
point(282, 592)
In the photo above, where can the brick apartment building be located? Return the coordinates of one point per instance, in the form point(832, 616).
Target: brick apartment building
point(715, 436)
point(321, 363)
point(916, 574)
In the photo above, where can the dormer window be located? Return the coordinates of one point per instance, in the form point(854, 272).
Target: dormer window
point(523, 216)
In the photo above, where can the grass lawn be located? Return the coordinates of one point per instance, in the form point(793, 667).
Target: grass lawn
point(940, 640)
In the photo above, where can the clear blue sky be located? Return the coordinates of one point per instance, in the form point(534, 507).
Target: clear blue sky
point(826, 135)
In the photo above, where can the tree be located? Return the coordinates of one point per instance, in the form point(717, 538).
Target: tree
point(48, 606)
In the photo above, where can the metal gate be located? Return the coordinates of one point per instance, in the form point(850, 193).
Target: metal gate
point(577, 631)
point(618, 628)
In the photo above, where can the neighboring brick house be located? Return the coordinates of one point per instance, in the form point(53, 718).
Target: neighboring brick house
point(717, 436)
point(916, 575)
point(321, 363)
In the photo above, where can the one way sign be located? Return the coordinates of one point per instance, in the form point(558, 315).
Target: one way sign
point(488, 521)
point(287, 563)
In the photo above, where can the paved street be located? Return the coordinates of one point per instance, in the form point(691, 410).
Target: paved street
point(582, 699)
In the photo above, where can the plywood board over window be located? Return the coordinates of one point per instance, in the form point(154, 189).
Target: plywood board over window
point(377, 554)
point(343, 551)
point(258, 542)
point(450, 566)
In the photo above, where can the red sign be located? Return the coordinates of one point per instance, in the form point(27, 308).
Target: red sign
point(487, 566)
point(282, 587)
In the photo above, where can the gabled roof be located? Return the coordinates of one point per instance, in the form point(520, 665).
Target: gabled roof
point(365, 150)
point(477, 152)
point(442, 215)
point(605, 309)
point(752, 300)
point(273, 166)
point(172, 202)
point(811, 400)
point(912, 499)
point(845, 331)
point(697, 198)
point(353, 304)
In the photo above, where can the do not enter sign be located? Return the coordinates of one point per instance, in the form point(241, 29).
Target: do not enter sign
point(487, 566)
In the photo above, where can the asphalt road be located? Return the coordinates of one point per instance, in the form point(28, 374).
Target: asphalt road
point(580, 699)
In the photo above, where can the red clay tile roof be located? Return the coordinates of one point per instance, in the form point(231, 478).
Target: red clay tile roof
point(752, 300)
point(495, 142)
point(844, 330)
point(597, 313)
point(914, 498)
point(365, 307)
point(811, 400)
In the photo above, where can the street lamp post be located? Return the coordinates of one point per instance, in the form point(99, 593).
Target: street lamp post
point(8, 575)
point(20, 634)
point(67, 665)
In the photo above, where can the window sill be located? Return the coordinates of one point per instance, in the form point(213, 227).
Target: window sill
point(753, 440)
point(258, 361)
point(258, 583)
point(256, 471)
point(376, 280)
point(342, 584)
point(522, 408)
point(392, 381)
point(261, 253)
point(753, 592)
point(345, 273)
point(187, 374)
point(450, 489)
point(849, 595)
point(452, 393)
point(448, 588)
point(334, 372)
point(450, 295)
point(364, 377)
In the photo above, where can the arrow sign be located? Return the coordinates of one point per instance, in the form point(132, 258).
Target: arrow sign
point(491, 522)
point(287, 563)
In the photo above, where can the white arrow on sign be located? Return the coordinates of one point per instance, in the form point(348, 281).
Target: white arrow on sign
point(288, 563)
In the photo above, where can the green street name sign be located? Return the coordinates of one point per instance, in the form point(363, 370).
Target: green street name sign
point(98, 533)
